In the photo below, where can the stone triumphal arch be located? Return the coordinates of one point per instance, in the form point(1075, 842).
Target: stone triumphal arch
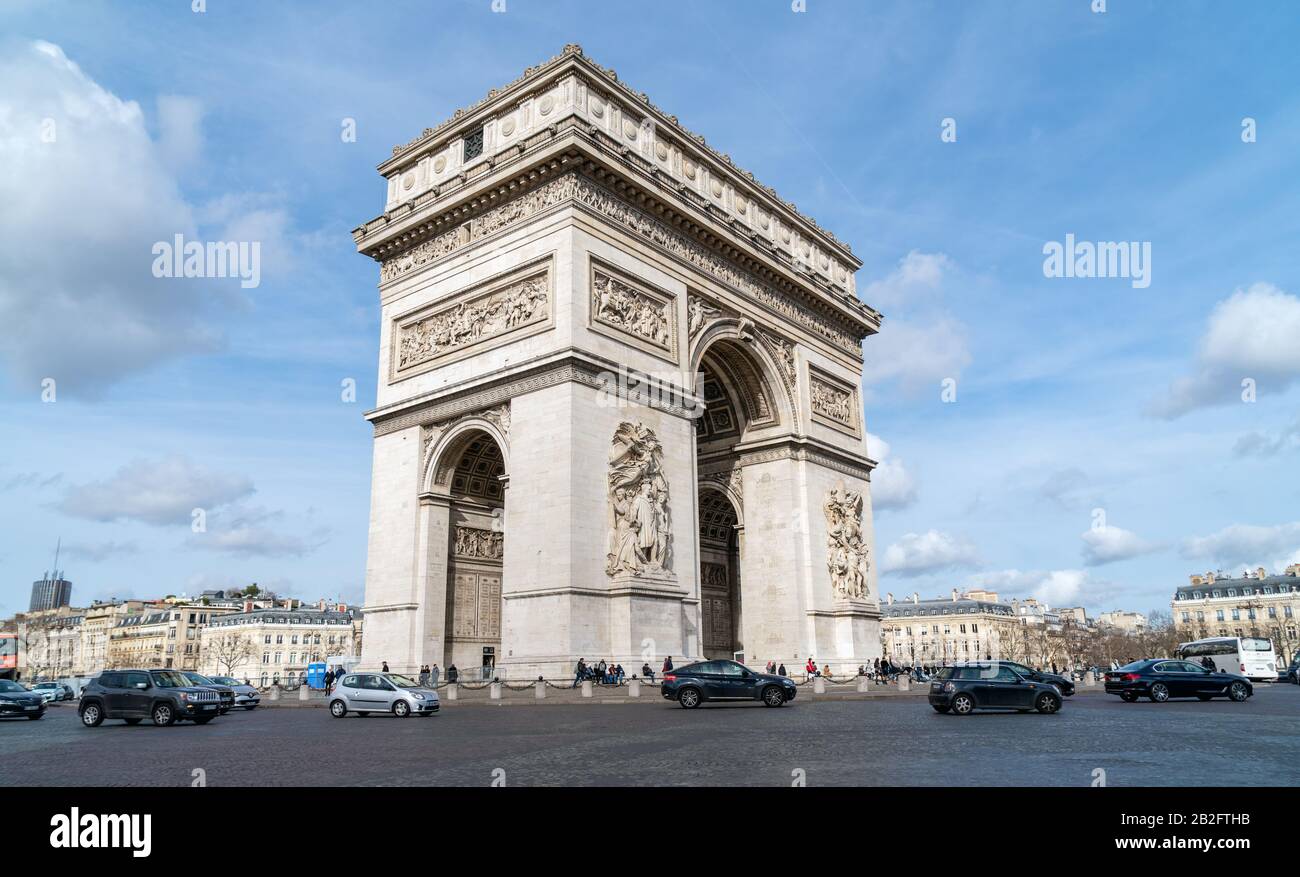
point(618, 412)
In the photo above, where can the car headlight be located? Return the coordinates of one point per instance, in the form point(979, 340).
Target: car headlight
point(418, 696)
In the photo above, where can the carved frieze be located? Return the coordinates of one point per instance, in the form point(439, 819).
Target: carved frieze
point(478, 544)
point(490, 312)
point(640, 539)
point(633, 309)
point(713, 575)
point(699, 313)
point(847, 552)
point(783, 352)
point(833, 403)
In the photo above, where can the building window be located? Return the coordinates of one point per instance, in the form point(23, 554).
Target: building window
point(1218, 615)
point(474, 144)
point(266, 657)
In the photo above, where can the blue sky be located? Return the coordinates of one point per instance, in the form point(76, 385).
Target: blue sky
point(1073, 395)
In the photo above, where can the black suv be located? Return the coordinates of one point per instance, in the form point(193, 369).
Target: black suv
point(163, 696)
point(724, 680)
point(225, 692)
point(963, 688)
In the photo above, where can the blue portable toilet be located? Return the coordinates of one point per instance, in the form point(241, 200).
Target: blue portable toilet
point(316, 674)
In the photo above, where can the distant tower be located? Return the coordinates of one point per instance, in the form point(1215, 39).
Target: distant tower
point(53, 590)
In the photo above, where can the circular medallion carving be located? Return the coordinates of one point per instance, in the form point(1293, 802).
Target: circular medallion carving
point(689, 168)
point(785, 235)
point(440, 164)
point(408, 179)
point(546, 105)
point(741, 206)
point(661, 150)
point(629, 130)
point(717, 189)
point(508, 127)
point(597, 108)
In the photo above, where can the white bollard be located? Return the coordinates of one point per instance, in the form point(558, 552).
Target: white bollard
point(634, 688)
point(539, 689)
point(586, 688)
point(304, 692)
point(495, 691)
point(904, 683)
point(451, 691)
point(275, 692)
point(819, 685)
point(864, 683)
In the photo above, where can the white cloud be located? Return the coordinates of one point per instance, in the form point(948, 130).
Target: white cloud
point(180, 128)
point(161, 493)
point(918, 553)
point(892, 486)
point(1107, 544)
point(247, 532)
point(1251, 334)
point(1247, 545)
point(78, 301)
point(920, 343)
point(1056, 588)
point(1258, 444)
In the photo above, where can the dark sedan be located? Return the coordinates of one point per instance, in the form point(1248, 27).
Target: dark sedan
point(963, 688)
point(226, 693)
point(1063, 685)
point(17, 701)
point(695, 684)
point(1163, 678)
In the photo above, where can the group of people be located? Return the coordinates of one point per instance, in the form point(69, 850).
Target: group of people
point(772, 669)
point(602, 672)
point(429, 675)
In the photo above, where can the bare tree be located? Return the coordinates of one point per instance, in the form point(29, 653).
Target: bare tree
point(231, 651)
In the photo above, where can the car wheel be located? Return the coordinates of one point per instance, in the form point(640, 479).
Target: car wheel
point(689, 698)
point(132, 721)
point(1159, 692)
point(1047, 703)
point(401, 709)
point(338, 709)
point(939, 709)
point(1128, 696)
point(773, 696)
point(163, 715)
point(962, 704)
point(92, 715)
point(1237, 692)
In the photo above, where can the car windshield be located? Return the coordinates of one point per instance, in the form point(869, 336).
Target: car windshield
point(45, 685)
point(197, 679)
point(1134, 667)
point(6, 685)
point(225, 680)
point(402, 681)
point(169, 679)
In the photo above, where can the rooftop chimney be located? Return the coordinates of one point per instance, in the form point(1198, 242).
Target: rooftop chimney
point(1196, 580)
point(954, 595)
point(916, 598)
point(890, 598)
point(1261, 573)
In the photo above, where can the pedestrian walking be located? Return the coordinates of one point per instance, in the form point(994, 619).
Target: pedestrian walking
point(452, 674)
point(668, 664)
point(385, 666)
point(433, 675)
point(780, 671)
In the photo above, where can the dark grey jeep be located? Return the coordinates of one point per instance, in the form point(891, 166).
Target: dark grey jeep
point(162, 696)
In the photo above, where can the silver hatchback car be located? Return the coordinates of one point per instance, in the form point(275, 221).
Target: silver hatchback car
point(366, 693)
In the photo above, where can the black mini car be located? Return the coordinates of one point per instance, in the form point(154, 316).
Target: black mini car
point(694, 684)
point(963, 688)
point(1063, 685)
point(1163, 678)
point(17, 701)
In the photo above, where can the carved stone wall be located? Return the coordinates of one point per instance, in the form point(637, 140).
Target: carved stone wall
point(478, 543)
point(833, 403)
point(641, 528)
point(846, 548)
point(633, 310)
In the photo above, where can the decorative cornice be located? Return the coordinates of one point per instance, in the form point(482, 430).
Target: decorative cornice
point(804, 449)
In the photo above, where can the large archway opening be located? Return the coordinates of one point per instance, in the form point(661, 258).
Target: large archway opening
point(474, 478)
point(739, 401)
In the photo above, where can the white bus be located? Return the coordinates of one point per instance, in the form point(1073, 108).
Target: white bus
point(1248, 656)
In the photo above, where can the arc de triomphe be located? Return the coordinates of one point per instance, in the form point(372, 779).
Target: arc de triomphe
point(618, 412)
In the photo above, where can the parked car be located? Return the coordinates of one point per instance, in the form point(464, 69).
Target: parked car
point(707, 681)
point(1164, 678)
point(163, 696)
point(963, 688)
point(17, 701)
point(49, 692)
point(1292, 673)
point(226, 693)
point(245, 695)
point(366, 693)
